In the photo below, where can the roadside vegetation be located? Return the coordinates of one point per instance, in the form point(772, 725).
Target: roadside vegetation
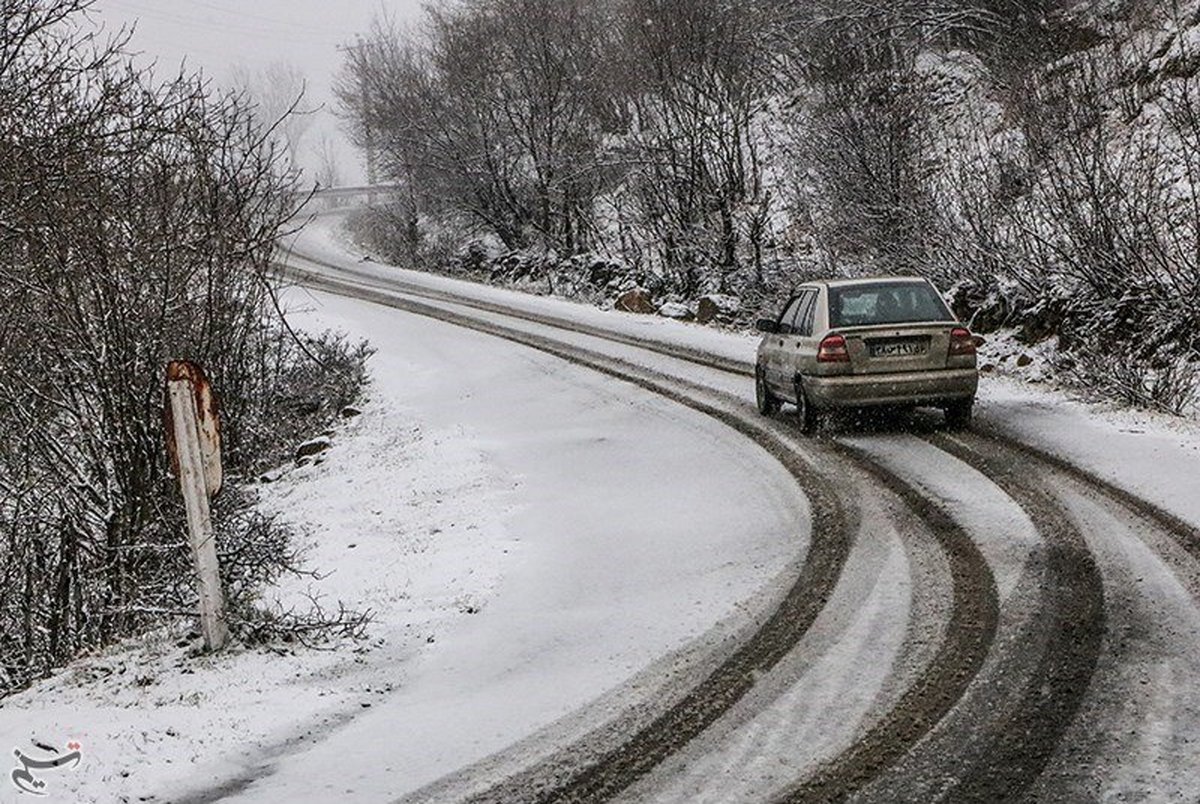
point(1039, 158)
point(138, 217)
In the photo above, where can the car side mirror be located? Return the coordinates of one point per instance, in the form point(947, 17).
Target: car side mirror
point(978, 340)
point(768, 325)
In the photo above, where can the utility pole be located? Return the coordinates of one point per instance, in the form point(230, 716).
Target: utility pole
point(358, 49)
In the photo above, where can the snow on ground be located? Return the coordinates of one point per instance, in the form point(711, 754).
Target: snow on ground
point(1005, 355)
point(1155, 456)
point(639, 526)
point(325, 240)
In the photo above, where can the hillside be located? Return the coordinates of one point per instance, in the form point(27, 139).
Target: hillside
point(1037, 161)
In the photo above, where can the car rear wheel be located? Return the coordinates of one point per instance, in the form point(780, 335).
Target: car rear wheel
point(806, 414)
point(958, 414)
point(768, 403)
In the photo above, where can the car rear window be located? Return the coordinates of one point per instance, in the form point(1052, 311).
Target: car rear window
point(886, 303)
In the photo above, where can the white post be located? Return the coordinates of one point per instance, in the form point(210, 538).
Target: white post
point(195, 497)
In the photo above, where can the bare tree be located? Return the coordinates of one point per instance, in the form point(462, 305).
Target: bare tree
point(496, 116)
point(276, 92)
point(697, 79)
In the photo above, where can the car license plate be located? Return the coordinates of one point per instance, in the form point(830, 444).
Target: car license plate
point(905, 348)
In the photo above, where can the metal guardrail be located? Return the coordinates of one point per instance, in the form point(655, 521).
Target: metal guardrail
point(351, 192)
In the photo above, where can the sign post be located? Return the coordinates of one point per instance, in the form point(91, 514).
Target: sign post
point(193, 441)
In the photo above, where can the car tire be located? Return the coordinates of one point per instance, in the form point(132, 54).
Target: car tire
point(806, 415)
point(768, 403)
point(958, 414)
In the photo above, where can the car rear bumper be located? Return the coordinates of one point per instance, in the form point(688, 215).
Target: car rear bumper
point(908, 388)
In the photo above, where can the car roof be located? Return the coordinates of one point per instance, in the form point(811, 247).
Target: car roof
point(866, 280)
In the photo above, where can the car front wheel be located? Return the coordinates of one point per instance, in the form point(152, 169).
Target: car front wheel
point(806, 414)
point(768, 403)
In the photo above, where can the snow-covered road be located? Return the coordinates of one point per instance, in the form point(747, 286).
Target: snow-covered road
point(600, 574)
point(636, 527)
point(1007, 653)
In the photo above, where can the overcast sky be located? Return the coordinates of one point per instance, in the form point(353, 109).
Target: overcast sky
point(215, 35)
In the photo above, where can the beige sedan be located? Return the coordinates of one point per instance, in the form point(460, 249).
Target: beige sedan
point(866, 342)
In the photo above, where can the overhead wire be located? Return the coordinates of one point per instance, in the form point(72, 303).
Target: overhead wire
point(169, 17)
point(319, 31)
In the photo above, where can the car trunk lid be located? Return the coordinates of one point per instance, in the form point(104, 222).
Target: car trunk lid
point(891, 348)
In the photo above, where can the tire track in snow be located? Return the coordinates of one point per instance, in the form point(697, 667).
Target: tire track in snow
point(999, 738)
point(1186, 535)
point(971, 632)
point(959, 656)
point(1015, 765)
point(698, 356)
point(1130, 738)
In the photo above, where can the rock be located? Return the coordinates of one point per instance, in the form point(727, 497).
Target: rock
point(349, 412)
point(636, 300)
point(1044, 319)
point(677, 311)
point(991, 317)
point(1024, 360)
point(307, 407)
point(987, 368)
point(526, 266)
point(477, 254)
point(717, 307)
point(271, 476)
point(314, 446)
point(602, 273)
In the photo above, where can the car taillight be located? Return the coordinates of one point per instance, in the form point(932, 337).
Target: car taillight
point(833, 350)
point(962, 342)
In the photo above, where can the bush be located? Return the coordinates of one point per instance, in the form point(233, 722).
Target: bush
point(139, 225)
point(314, 379)
point(57, 599)
point(1173, 388)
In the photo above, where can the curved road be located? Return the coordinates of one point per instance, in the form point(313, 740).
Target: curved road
point(974, 620)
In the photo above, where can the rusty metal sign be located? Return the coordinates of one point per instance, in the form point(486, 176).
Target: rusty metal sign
point(208, 421)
